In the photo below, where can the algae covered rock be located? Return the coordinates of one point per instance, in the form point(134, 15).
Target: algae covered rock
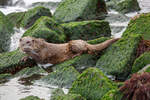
point(61, 78)
point(73, 10)
point(141, 62)
point(123, 6)
point(16, 18)
point(86, 30)
point(113, 94)
point(31, 98)
point(4, 77)
point(10, 61)
point(127, 6)
point(46, 28)
point(118, 58)
point(92, 84)
point(139, 25)
point(33, 14)
point(6, 30)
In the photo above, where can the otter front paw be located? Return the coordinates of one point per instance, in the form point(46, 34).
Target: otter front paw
point(24, 59)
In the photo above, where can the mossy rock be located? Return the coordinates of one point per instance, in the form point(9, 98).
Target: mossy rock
point(61, 78)
point(4, 77)
point(10, 61)
point(91, 84)
point(28, 72)
point(113, 95)
point(123, 6)
point(46, 28)
point(73, 10)
point(33, 14)
point(6, 31)
point(127, 6)
point(87, 30)
point(119, 57)
point(69, 97)
point(139, 25)
point(141, 62)
point(31, 98)
point(16, 18)
point(84, 61)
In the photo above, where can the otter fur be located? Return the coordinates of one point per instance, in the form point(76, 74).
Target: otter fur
point(43, 52)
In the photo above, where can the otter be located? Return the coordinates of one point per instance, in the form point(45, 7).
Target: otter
point(43, 52)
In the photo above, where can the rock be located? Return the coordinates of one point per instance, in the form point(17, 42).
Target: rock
point(119, 57)
point(123, 6)
point(139, 25)
point(113, 95)
point(127, 6)
point(61, 78)
point(5, 2)
point(73, 10)
point(84, 61)
point(4, 77)
point(92, 84)
point(16, 18)
point(28, 72)
point(46, 28)
point(33, 14)
point(141, 62)
point(87, 30)
point(10, 62)
point(6, 30)
point(31, 98)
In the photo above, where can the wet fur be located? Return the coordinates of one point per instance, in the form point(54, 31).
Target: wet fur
point(43, 52)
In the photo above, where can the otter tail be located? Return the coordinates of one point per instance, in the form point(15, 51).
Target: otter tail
point(98, 47)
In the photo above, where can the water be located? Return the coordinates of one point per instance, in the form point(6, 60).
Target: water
point(14, 89)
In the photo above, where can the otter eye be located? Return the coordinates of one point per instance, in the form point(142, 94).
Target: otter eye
point(28, 42)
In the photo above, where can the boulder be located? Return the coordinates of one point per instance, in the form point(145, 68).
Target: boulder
point(92, 84)
point(46, 28)
point(16, 18)
point(139, 25)
point(73, 10)
point(119, 57)
point(5, 2)
point(61, 78)
point(10, 62)
point(31, 98)
point(33, 14)
point(6, 30)
point(141, 62)
point(87, 30)
point(123, 6)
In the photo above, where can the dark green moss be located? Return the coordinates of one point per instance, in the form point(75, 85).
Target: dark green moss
point(10, 61)
point(91, 84)
point(86, 30)
point(31, 98)
point(141, 62)
point(16, 18)
point(139, 25)
point(6, 30)
point(33, 14)
point(113, 95)
point(72, 10)
point(127, 6)
point(46, 28)
point(118, 58)
point(61, 78)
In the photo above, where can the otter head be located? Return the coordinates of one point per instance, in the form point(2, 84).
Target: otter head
point(30, 44)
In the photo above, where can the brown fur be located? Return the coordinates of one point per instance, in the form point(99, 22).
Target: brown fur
point(43, 52)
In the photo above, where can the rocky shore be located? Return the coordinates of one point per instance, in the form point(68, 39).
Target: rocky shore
point(87, 77)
